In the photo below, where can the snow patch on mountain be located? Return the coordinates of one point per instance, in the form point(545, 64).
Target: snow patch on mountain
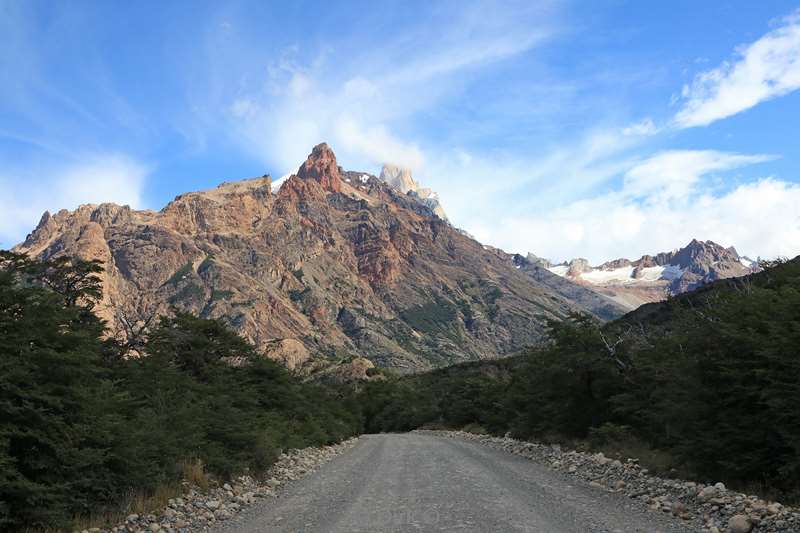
point(652, 278)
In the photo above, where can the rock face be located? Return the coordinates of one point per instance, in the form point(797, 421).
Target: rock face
point(400, 178)
point(654, 278)
point(334, 266)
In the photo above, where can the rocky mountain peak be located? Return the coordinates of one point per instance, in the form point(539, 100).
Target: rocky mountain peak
point(401, 180)
point(398, 177)
point(306, 275)
point(321, 166)
point(652, 278)
point(701, 256)
point(578, 266)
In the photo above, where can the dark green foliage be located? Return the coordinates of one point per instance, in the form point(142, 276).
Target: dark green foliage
point(298, 295)
point(180, 274)
point(207, 263)
point(220, 295)
point(432, 317)
point(452, 397)
point(56, 399)
point(190, 292)
point(82, 428)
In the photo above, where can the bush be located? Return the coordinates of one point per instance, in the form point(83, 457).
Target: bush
point(84, 428)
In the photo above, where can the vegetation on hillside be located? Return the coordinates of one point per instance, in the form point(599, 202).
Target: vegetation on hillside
point(707, 383)
point(84, 430)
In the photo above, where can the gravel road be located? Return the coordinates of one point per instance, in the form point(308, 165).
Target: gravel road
point(419, 482)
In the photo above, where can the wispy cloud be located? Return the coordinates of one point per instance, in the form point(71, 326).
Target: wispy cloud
point(674, 174)
point(664, 201)
point(765, 69)
point(24, 195)
point(364, 102)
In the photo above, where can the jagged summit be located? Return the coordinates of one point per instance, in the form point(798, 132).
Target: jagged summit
point(321, 166)
point(337, 264)
point(400, 179)
point(653, 278)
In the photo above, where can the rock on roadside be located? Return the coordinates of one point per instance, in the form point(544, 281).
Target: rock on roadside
point(197, 510)
point(711, 508)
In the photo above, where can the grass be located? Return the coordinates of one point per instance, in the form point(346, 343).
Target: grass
point(217, 294)
point(432, 317)
point(141, 503)
point(179, 274)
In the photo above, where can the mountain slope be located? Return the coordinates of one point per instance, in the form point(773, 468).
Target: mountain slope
point(336, 264)
point(601, 305)
point(654, 278)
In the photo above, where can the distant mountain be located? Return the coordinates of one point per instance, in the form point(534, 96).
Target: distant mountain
point(333, 266)
point(654, 278)
point(602, 305)
point(400, 178)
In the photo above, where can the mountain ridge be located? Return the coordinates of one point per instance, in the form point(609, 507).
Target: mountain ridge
point(339, 261)
point(653, 278)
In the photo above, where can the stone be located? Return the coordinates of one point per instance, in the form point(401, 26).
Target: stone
point(774, 508)
point(740, 524)
point(678, 508)
point(706, 493)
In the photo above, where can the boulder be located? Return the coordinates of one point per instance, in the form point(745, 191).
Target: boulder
point(740, 524)
point(291, 353)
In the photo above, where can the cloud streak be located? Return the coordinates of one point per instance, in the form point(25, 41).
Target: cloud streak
point(763, 70)
point(365, 103)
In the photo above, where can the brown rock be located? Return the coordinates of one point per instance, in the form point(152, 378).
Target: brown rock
point(321, 166)
point(290, 352)
point(323, 271)
point(740, 524)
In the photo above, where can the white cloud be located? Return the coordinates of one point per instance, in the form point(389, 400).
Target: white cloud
point(643, 128)
point(648, 214)
point(362, 101)
point(673, 174)
point(24, 196)
point(765, 69)
point(377, 143)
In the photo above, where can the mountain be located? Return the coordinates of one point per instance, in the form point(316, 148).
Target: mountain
point(654, 278)
point(400, 178)
point(334, 265)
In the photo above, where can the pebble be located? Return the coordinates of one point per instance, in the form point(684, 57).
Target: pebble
point(197, 509)
point(712, 508)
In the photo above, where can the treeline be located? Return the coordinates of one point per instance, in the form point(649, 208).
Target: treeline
point(707, 383)
point(85, 429)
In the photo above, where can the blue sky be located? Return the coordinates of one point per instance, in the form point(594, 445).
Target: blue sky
point(593, 129)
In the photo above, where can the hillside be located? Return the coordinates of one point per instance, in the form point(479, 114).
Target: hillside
point(334, 265)
point(705, 385)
